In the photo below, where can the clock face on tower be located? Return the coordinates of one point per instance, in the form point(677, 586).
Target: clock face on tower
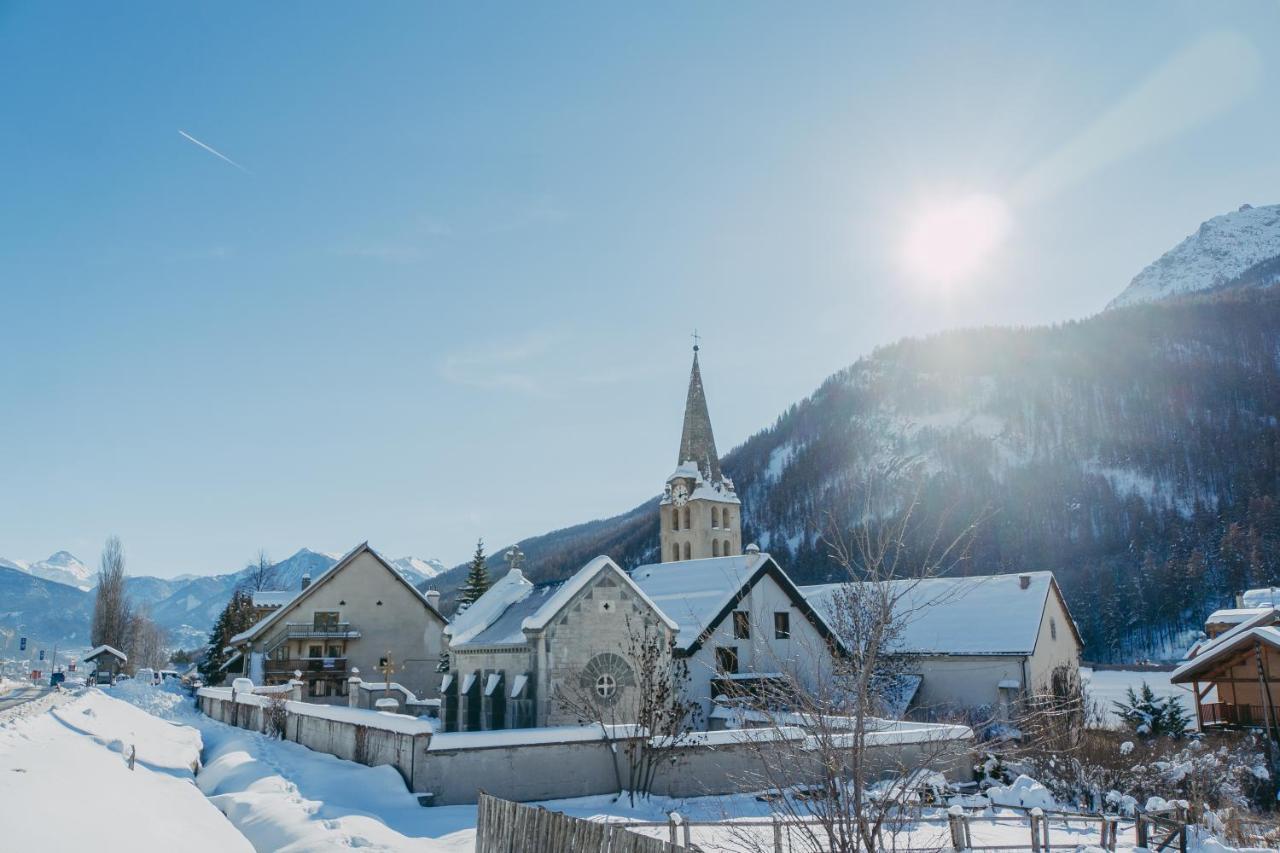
point(679, 494)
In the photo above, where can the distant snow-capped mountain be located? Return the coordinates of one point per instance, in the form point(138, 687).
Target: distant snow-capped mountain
point(1238, 249)
point(418, 570)
point(62, 567)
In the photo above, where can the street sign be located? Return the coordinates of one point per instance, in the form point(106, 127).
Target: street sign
point(22, 644)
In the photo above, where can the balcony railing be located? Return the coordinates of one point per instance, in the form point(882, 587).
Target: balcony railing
point(323, 666)
point(1228, 714)
point(330, 629)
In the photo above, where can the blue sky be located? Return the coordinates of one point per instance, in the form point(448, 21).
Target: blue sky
point(451, 291)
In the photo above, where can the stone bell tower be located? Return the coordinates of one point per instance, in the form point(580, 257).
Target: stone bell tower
point(700, 515)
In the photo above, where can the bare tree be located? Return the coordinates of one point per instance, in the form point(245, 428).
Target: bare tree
point(112, 613)
point(643, 685)
point(147, 643)
point(260, 574)
point(833, 767)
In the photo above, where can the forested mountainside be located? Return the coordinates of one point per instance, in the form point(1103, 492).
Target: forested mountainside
point(1133, 453)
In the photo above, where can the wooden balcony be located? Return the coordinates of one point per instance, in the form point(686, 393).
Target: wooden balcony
point(307, 630)
point(1227, 714)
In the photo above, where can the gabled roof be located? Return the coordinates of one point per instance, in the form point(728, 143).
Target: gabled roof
point(513, 605)
point(1223, 649)
point(325, 576)
point(97, 651)
point(1261, 618)
point(984, 615)
point(700, 594)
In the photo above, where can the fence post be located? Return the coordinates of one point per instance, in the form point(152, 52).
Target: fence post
point(777, 835)
point(957, 829)
point(673, 821)
point(353, 688)
point(1035, 816)
point(1140, 828)
point(133, 755)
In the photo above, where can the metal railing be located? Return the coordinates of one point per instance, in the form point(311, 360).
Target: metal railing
point(325, 666)
point(328, 629)
point(1230, 714)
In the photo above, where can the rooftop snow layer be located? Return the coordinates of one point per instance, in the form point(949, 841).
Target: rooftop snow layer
point(1220, 251)
point(984, 615)
point(693, 592)
point(273, 597)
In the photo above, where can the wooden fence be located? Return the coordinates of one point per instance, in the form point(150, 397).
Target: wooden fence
point(506, 827)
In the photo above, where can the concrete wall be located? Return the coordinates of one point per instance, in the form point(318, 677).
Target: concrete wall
point(963, 681)
point(1055, 644)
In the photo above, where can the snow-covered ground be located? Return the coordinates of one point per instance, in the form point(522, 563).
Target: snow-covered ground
point(1108, 686)
point(65, 784)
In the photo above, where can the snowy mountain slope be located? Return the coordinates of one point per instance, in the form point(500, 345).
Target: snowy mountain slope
point(1220, 254)
point(61, 567)
point(418, 571)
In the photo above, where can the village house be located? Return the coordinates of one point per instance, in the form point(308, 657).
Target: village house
point(361, 614)
point(1232, 674)
point(979, 643)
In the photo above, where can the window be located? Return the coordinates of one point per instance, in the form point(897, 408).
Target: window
point(688, 553)
point(606, 686)
point(715, 516)
point(334, 652)
point(675, 519)
point(724, 522)
point(314, 652)
point(686, 518)
point(675, 551)
point(724, 549)
point(715, 548)
point(741, 625)
point(782, 625)
point(325, 620)
point(727, 659)
point(1053, 628)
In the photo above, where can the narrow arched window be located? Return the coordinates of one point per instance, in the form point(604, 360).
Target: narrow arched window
point(675, 551)
point(715, 516)
point(725, 524)
point(688, 554)
point(715, 547)
point(725, 549)
point(686, 518)
point(675, 519)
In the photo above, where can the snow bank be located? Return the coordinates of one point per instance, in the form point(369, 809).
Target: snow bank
point(1024, 791)
point(76, 753)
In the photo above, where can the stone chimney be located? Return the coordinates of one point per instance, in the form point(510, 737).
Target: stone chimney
point(1024, 581)
point(433, 598)
point(306, 580)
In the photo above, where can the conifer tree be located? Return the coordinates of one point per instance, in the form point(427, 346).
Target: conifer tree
point(477, 582)
point(237, 616)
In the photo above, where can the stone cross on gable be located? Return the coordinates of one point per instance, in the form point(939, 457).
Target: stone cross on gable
point(514, 557)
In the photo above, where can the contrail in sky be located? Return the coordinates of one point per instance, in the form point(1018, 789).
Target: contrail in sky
point(214, 152)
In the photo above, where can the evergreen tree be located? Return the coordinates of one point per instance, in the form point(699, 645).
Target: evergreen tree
point(477, 582)
point(237, 616)
point(1151, 716)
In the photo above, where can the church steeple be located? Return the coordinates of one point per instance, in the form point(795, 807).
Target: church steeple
point(697, 444)
point(699, 514)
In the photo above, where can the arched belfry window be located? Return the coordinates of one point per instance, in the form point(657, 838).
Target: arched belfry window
point(715, 516)
point(725, 549)
point(675, 551)
point(715, 547)
point(726, 518)
point(688, 554)
point(675, 519)
point(686, 518)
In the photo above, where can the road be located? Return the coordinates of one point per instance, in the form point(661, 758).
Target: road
point(21, 695)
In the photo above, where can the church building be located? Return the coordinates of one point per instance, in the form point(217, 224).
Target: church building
point(732, 614)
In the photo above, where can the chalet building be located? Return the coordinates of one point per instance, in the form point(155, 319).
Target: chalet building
point(107, 663)
point(359, 614)
point(1235, 674)
point(979, 642)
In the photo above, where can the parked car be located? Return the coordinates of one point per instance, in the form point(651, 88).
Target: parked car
point(146, 675)
point(56, 678)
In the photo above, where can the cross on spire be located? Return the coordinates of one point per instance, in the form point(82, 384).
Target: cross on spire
point(696, 337)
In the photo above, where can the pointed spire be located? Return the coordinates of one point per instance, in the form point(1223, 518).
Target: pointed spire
point(697, 444)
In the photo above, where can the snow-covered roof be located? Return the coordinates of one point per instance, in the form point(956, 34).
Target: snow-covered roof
point(364, 547)
point(693, 592)
point(273, 597)
point(1267, 596)
point(985, 615)
point(513, 605)
point(1262, 617)
point(98, 650)
point(1224, 647)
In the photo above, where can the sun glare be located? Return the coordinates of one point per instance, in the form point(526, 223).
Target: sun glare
point(949, 240)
